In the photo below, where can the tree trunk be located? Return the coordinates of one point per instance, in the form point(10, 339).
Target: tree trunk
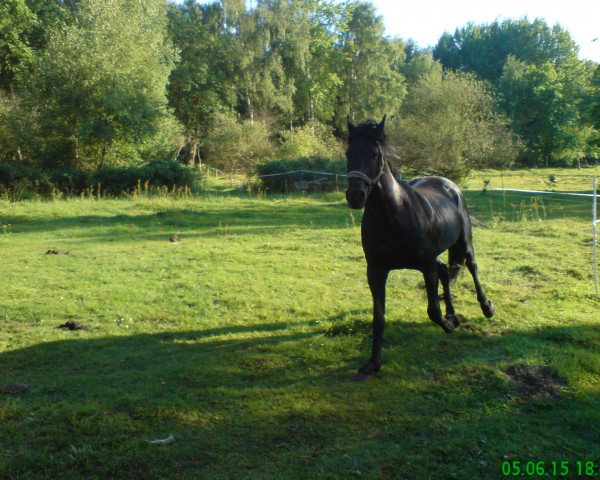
point(250, 109)
point(191, 150)
point(311, 100)
point(103, 154)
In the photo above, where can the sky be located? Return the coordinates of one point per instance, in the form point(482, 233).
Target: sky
point(426, 20)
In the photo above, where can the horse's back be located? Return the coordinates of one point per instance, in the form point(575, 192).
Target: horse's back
point(435, 183)
point(448, 203)
point(438, 189)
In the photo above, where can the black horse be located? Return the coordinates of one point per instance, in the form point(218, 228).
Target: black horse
point(407, 225)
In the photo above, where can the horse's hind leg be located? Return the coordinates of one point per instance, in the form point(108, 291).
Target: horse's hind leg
point(431, 274)
point(487, 307)
point(445, 280)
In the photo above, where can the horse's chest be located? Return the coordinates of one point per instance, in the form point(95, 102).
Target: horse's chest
point(390, 245)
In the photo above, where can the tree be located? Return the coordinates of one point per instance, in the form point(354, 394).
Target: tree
point(545, 104)
point(200, 84)
point(16, 24)
point(371, 86)
point(51, 15)
point(101, 81)
point(418, 65)
point(262, 83)
point(545, 87)
point(237, 146)
point(483, 49)
point(595, 98)
point(302, 35)
point(449, 125)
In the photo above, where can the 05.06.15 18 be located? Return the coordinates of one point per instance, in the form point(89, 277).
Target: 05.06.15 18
point(580, 468)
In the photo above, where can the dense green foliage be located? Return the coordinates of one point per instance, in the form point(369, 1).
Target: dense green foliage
point(235, 145)
point(241, 339)
point(450, 125)
point(93, 83)
point(545, 89)
point(24, 180)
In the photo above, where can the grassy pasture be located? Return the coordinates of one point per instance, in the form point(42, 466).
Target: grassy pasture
point(240, 339)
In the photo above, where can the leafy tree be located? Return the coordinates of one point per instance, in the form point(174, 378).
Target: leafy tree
point(16, 23)
point(545, 87)
point(544, 104)
point(595, 98)
point(418, 65)
point(302, 35)
point(483, 49)
point(314, 140)
point(371, 86)
point(449, 125)
point(262, 84)
point(235, 145)
point(14, 129)
point(51, 15)
point(200, 84)
point(101, 81)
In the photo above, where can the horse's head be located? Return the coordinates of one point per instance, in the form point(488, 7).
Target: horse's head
point(365, 160)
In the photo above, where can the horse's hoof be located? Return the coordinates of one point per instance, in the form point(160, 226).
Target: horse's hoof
point(488, 309)
point(448, 324)
point(369, 369)
point(455, 319)
point(361, 377)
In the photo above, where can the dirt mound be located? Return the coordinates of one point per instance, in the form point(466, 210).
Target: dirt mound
point(72, 325)
point(14, 388)
point(538, 381)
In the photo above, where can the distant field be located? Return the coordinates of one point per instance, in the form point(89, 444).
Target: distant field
point(565, 179)
point(240, 341)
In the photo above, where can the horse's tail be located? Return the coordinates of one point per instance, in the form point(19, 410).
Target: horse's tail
point(456, 259)
point(457, 253)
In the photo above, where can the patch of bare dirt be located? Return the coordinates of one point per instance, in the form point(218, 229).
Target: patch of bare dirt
point(539, 381)
point(72, 325)
point(14, 388)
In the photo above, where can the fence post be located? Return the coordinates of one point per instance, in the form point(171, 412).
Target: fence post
point(595, 232)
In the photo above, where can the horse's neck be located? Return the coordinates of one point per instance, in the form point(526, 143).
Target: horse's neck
point(389, 198)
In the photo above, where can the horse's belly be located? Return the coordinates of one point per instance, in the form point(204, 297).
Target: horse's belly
point(393, 251)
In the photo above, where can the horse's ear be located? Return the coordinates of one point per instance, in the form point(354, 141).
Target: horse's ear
point(351, 126)
point(382, 123)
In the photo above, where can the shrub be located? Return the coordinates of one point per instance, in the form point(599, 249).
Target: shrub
point(311, 140)
point(311, 178)
point(159, 173)
point(19, 177)
point(237, 146)
point(449, 127)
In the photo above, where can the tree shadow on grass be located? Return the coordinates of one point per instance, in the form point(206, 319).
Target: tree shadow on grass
point(273, 401)
point(230, 221)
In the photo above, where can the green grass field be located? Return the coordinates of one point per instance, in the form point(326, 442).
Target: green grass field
point(241, 339)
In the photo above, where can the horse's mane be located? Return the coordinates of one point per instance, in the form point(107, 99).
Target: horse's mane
point(369, 129)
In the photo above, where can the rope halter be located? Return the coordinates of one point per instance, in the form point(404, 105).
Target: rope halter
point(371, 182)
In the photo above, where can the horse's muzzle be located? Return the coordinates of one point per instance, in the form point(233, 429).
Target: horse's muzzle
point(356, 198)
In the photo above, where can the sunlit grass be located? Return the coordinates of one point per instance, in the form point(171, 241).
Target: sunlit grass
point(240, 339)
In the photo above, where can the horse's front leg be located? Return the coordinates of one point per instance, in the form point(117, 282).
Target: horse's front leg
point(377, 278)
